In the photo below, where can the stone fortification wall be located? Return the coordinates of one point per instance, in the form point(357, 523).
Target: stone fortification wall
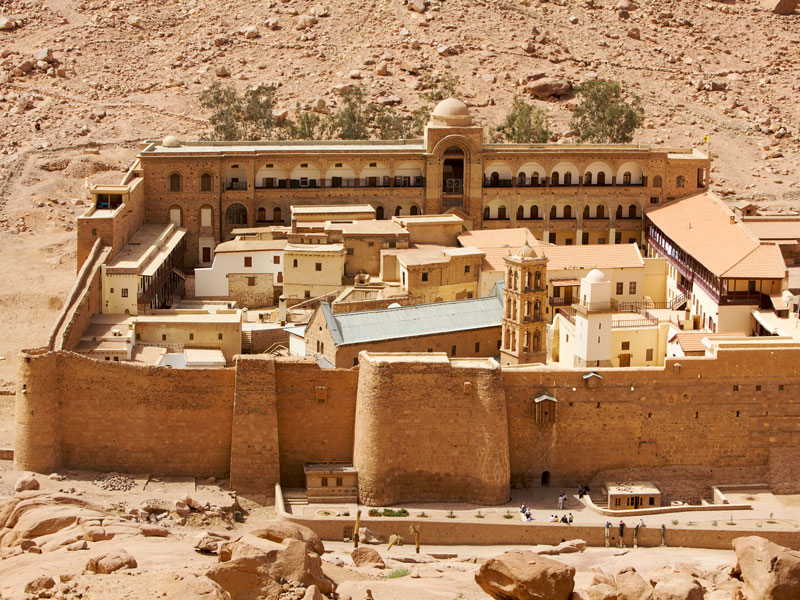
point(76, 412)
point(694, 423)
point(316, 411)
point(426, 430)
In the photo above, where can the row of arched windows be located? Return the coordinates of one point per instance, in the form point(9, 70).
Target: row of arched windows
point(632, 212)
point(176, 182)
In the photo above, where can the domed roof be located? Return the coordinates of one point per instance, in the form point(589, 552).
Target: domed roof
point(525, 251)
point(596, 276)
point(452, 112)
point(171, 142)
point(451, 107)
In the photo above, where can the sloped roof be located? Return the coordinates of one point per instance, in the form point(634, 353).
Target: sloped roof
point(499, 238)
point(252, 245)
point(706, 229)
point(592, 256)
point(692, 341)
point(411, 321)
point(769, 229)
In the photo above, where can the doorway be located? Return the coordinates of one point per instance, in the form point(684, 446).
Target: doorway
point(545, 478)
point(206, 254)
point(624, 360)
point(453, 171)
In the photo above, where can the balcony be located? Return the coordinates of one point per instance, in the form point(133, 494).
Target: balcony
point(502, 183)
point(236, 185)
point(597, 307)
point(559, 301)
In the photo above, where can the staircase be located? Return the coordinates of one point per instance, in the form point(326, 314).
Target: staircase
point(295, 497)
point(677, 302)
point(247, 341)
point(278, 349)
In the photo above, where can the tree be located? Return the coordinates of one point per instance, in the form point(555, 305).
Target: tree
point(525, 124)
point(308, 126)
point(234, 117)
point(393, 125)
point(439, 87)
point(604, 115)
point(351, 121)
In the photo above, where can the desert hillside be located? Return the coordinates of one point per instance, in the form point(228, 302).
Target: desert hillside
point(82, 81)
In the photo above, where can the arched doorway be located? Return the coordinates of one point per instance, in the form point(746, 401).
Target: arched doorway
point(545, 478)
point(379, 213)
point(276, 215)
point(453, 171)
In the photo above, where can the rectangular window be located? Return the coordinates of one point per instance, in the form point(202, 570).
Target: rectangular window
point(585, 238)
point(307, 294)
point(424, 277)
point(191, 336)
point(392, 244)
point(653, 201)
point(626, 345)
point(163, 337)
point(339, 482)
point(355, 361)
point(652, 501)
point(248, 261)
point(649, 354)
point(219, 336)
point(620, 288)
point(205, 217)
point(477, 347)
point(324, 482)
point(276, 260)
point(632, 287)
point(351, 251)
point(112, 290)
point(453, 350)
point(294, 263)
point(251, 282)
point(466, 268)
point(124, 292)
point(318, 267)
point(280, 277)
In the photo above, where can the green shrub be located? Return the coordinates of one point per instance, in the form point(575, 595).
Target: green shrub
point(525, 124)
point(604, 115)
point(397, 573)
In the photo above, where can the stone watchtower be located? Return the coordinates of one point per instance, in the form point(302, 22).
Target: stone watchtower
point(524, 297)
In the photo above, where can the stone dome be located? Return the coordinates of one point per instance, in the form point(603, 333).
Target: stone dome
point(525, 251)
point(452, 112)
point(596, 276)
point(171, 142)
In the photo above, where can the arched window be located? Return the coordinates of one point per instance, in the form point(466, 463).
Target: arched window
point(601, 178)
point(587, 179)
point(494, 179)
point(554, 178)
point(537, 344)
point(175, 182)
point(553, 212)
point(537, 280)
point(205, 182)
point(626, 178)
point(521, 180)
point(601, 212)
point(586, 212)
point(619, 212)
point(681, 181)
point(537, 311)
point(535, 179)
point(379, 213)
point(632, 211)
point(414, 210)
point(520, 213)
point(568, 178)
point(236, 214)
point(657, 181)
point(397, 211)
point(534, 212)
point(486, 213)
point(276, 215)
point(261, 215)
point(501, 212)
point(567, 212)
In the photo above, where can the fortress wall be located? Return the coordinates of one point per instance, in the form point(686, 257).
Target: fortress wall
point(425, 431)
point(677, 428)
point(254, 446)
point(37, 435)
point(143, 419)
point(316, 411)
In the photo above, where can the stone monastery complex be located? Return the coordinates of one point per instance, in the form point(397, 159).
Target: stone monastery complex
point(448, 319)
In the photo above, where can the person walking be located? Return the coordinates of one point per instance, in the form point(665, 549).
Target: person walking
point(608, 533)
point(621, 531)
point(561, 502)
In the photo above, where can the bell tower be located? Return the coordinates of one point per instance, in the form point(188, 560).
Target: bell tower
point(524, 297)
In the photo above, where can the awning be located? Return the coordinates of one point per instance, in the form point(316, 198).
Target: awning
point(778, 303)
point(544, 397)
point(565, 282)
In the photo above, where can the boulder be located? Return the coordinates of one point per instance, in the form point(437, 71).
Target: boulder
point(6, 506)
point(45, 55)
point(768, 570)
point(523, 575)
point(305, 22)
point(222, 71)
point(154, 531)
point(367, 557)
point(632, 586)
point(382, 68)
point(79, 545)
point(277, 531)
point(181, 508)
point(250, 32)
point(26, 483)
point(207, 542)
point(780, 7)
point(368, 537)
point(111, 561)
point(313, 593)
point(548, 87)
point(602, 591)
point(418, 6)
point(678, 587)
point(7, 24)
point(43, 582)
point(567, 547)
point(250, 567)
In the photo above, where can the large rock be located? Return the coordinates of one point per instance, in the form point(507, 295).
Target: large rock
point(43, 582)
point(549, 87)
point(602, 591)
point(632, 586)
point(277, 531)
point(251, 567)
point(369, 537)
point(678, 587)
point(111, 561)
point(524, 575)
point(43, 515)
point(567, 547)
point(26, 483)
point(780, 7)
point(6, 506)
point(367, 557)
point(768, 570)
